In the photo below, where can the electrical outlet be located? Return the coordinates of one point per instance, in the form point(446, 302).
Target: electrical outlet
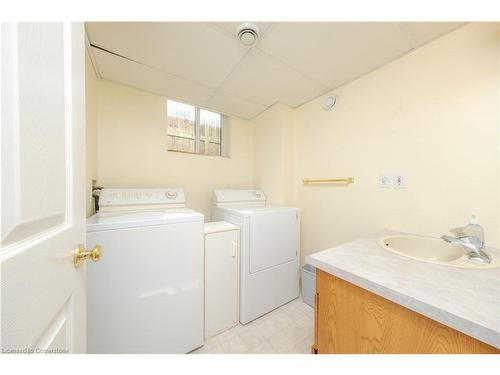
point(384, 181)
point(399, 181)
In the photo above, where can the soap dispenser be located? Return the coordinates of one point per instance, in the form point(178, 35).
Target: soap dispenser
point(475, 231)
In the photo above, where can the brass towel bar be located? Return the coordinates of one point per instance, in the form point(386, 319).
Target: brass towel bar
point(345, 180)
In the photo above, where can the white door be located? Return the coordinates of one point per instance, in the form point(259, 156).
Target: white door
point(221, 281)
point(42, 187)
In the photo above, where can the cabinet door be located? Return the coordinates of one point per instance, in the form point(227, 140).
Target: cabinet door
point(352, 320)
point(221, 281)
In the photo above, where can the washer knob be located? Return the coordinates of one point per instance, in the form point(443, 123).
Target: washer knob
point(171, 194)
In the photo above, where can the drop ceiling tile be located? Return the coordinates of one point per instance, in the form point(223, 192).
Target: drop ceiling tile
point(233, 105)
point(120, 70)
point(231, 27)
point(192, 50)
point(262, 79)
point(424, 32)
point(293, 63)
point(334, 53)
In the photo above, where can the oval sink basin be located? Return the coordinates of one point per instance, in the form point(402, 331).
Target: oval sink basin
point(433, 250)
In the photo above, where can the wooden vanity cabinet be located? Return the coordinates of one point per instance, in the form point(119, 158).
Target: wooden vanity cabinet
point(352, 320)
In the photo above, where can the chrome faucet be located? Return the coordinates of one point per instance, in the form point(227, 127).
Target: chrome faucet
point(472, 246)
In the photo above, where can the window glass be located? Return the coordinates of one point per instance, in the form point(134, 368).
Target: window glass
point(181, 127)
point(210, 132)
point(192, 129)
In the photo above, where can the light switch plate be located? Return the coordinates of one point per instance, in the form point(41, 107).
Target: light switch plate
point(384, 181)
point(399, 181)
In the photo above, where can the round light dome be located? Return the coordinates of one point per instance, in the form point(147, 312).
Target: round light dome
point(248, 34)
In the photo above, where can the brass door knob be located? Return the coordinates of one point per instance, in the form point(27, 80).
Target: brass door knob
point(81, 255)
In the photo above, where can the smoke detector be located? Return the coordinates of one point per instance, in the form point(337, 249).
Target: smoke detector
point(329, 102)
point(248, 34)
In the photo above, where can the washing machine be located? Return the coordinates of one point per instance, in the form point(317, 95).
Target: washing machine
point(145, 295)
point(270, 249)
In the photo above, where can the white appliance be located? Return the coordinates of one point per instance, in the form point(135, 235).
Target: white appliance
point(146, 293)
point(269, 267)
point(221, 277)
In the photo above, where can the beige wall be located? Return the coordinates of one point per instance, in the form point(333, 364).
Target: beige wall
point(132, 149)
point(431, 115)
point(273, 154)
point(91, 94)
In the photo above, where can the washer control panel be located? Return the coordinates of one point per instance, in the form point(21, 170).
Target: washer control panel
point(132, 197)
point(231, 195)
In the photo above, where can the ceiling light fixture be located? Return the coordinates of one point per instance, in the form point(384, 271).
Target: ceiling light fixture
point(248, 34)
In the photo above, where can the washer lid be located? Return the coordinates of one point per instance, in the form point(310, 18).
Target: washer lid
point(132, 219)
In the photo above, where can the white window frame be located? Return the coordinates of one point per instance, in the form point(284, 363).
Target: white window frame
point(224, 132)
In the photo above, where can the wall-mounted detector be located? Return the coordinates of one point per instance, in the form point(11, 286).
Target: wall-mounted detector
point(329, 102)
point(248, 34)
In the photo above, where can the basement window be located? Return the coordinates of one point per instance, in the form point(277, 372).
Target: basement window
point(195, 130)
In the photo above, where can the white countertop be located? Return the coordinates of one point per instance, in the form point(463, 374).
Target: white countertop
point(219, 226)
point(467, 300)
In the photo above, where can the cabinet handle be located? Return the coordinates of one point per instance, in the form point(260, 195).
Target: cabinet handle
point(233, 255)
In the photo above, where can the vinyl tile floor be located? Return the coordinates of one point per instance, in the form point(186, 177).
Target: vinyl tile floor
point(287, 330)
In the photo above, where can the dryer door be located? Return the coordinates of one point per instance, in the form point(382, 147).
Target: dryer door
point(274, 238)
